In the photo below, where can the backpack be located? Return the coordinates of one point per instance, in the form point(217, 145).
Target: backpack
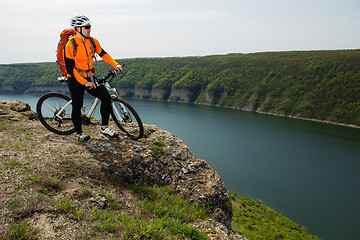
point(65, 36)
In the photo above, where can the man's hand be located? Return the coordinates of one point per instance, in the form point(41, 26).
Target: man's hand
point(90, 85)
point(119, 68)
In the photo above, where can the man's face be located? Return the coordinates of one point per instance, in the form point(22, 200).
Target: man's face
point(86, 30)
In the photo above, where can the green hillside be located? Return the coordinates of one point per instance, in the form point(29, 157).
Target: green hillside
point(323, 85)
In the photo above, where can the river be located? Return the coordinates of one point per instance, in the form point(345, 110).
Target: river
point(308, 171)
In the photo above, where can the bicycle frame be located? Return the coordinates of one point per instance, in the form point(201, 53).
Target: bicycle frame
point(92, 108)
point(112, 92)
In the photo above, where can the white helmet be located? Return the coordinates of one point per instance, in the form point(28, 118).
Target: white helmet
point(79, 21)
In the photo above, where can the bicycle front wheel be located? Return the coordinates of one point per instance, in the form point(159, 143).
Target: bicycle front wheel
point(54, 112)
point(126, 118)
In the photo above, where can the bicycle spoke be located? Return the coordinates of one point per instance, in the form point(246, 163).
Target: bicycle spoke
point(54, 111)
point(127, 119)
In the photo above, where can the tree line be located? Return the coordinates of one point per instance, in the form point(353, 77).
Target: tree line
point(323, 85)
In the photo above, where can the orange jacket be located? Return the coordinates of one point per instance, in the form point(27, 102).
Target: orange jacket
point(84, 58)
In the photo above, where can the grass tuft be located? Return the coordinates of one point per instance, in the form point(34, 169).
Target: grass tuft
point(22, 230)
point(158, 147)
point(64, 205)
point(52, 182)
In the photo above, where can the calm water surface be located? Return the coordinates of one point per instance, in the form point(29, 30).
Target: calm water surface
point(306, 170)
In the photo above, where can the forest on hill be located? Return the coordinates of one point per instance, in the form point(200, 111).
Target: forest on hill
point(322, 85)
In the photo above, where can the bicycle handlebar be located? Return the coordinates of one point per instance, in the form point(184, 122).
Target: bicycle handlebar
point(104, 78)
point(111, 73)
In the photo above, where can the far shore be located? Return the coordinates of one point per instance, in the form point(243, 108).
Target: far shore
point(248, 110)
point(288, 116)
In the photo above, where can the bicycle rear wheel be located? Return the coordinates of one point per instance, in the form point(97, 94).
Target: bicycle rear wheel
point(54, 112)
point(126, 118)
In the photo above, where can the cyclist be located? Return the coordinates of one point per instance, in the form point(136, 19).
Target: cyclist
point(79, 65)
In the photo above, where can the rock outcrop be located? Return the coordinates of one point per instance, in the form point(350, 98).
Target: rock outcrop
point(160, 158)
point(174, 164)
point(15, 110)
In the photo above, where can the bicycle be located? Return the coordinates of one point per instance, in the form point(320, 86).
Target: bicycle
point(54, 111)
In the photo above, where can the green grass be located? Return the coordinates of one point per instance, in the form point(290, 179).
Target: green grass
point(15, 205)
point(159, 229)
point(142, 228)
point(162, 202)
point(4, 124)
point(164, 215)
point(158, 147)
point(113, 203)
point(64, 205)
point(254, 220)
point(22, 230)
point(12, 163)
point(42, 193)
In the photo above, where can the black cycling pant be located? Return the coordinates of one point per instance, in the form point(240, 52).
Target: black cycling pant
point(77, 92)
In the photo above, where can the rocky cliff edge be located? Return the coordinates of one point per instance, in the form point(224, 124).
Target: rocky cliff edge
point(132, 162)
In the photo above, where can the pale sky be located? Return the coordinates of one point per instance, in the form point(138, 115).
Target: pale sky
point(172, 28)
